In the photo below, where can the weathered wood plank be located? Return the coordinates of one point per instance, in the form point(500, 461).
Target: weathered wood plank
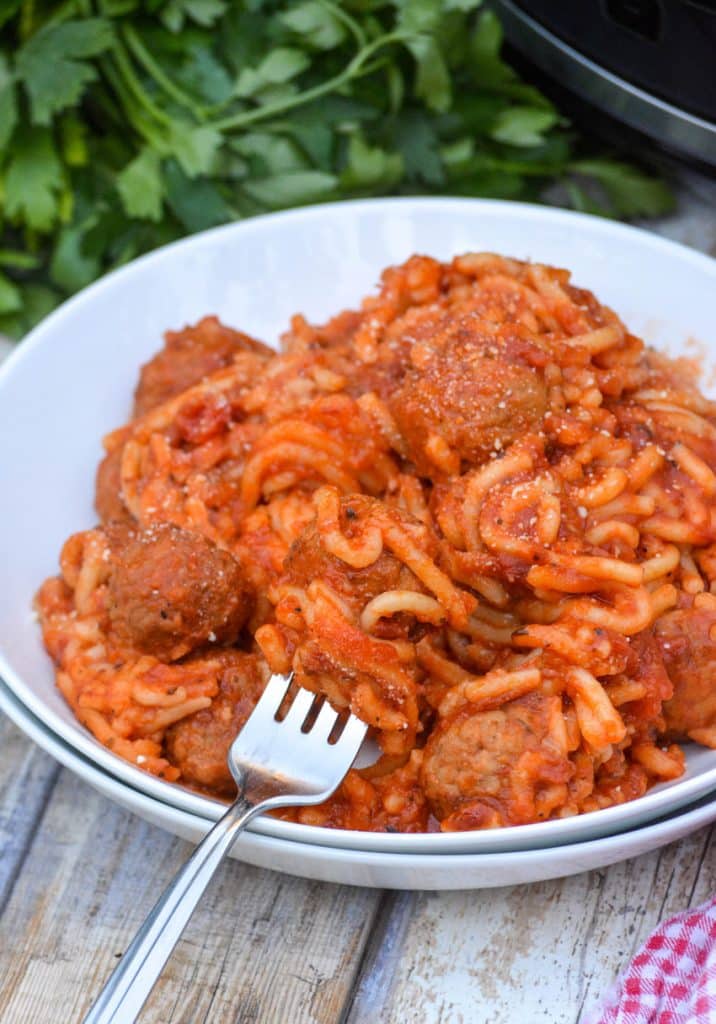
point(705, 883)
point(270, 948)
point(542, 951)
point(267, 947)
point(374, 982)
point(261, 947)
point(27, 777)
point(636, 897)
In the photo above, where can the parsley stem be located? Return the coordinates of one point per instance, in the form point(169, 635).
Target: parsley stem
point(351, 70)
point(19, 259)
point(27, 17)
point(524, 169)
point(129, 106)
point(126, 70)
point(343, 16)
point(157, 73)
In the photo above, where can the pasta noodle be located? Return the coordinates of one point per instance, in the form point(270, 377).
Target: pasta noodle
point(476, 511)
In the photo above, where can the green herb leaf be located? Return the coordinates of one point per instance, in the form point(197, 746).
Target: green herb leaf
point(140, 186)
point(463, 5)
point(10, 299)
point(280, 66)
point(523, 126)
point(203, 12)
point(432, 78)
point(197, 203)
point(126, 124)
point(370, 167)
point(19, 260)
point(631, 192)
point(458, 155)
point(193, 146)
point(53, 67)
point(8, 102)
point(292, 189)
point(581, 200)
point(487, 68)
point(204, 74)
point(245, 37)
point(418, 143)
point(33, 181)
point(37, 301)
point(314, 135)
point(70, 267)
point(418, 15)
point(74, 141)
point(8, 8)
point(116, 8)
point(270, 155)
point(316, 24)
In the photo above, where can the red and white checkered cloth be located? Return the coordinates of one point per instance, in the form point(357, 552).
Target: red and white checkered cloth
point(672, 979)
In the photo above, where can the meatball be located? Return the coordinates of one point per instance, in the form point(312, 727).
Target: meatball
point(187, 357)
point(108, 482)
point(199, 745)
point(108, 497)
point(171, 590)
point(687, 638)
point(486, 768)
point(473, 389)
point(308, 559)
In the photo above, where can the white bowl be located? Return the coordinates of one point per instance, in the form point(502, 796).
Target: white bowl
point(71, 381)
point(374, 869)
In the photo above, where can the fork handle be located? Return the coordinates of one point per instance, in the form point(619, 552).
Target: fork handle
point(133, 979)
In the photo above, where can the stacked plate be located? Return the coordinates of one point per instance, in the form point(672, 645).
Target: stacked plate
point(71, 382)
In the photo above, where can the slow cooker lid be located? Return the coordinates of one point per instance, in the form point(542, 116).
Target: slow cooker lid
point(666, 47)
point(614, 75)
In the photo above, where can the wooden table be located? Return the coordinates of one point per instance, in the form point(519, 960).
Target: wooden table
point(78, 875)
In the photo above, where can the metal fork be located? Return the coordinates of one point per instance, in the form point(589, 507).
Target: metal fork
point(274, 764)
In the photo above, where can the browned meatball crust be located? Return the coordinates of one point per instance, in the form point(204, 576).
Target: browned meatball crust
point(108, 480)
point(108, 491)
point(198, 745)
point(475, 390)
point(308, 559)
point(187, 357)
point(688, 648)
point(171, 590)
point(489, 766)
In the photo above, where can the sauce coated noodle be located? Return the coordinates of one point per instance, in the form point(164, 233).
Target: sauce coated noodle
point(476, 511)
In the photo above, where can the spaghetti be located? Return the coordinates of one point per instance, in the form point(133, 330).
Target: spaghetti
point(477, 511)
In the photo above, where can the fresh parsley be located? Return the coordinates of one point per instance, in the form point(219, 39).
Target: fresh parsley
point(126, 124)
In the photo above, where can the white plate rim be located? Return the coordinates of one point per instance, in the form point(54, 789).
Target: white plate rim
point(657, 801)
point(372, 869)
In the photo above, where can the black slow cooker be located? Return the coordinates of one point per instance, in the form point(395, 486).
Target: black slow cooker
point(651, 64)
